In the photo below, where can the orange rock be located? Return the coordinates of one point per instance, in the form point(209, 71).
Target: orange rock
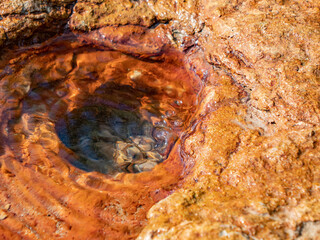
point(245, 75)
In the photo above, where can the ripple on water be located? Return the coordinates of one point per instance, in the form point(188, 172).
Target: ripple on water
point(114, 112)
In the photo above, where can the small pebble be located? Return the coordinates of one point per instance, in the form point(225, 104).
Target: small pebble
point(3, 215)
point(134, 75)
point(154, 156)
point(134, 153)
point(147, 166)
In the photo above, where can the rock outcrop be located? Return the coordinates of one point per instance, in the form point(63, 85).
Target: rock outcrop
point(246, 162)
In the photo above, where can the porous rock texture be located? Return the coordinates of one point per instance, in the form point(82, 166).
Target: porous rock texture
point(251, 163)
point(32, 21)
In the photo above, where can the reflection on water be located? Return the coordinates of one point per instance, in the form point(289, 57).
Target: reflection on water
point(112, 112)
point(77, 119)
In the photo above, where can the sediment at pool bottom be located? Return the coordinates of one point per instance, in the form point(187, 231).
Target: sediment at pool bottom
point(80, 120)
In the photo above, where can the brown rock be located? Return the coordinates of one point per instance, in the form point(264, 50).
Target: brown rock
point(32, 21)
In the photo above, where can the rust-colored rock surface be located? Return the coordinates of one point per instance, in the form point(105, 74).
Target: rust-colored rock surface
point(50, 173)
point(231, 87)
point(32, 21)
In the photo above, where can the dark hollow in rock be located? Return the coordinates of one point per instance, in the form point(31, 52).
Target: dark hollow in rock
point(110, 134)
point(77, 117)
point(113, 112)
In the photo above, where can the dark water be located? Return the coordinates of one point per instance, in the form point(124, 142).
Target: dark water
point(110, 135)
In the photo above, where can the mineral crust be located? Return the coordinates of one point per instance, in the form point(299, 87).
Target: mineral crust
point(245, 168)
